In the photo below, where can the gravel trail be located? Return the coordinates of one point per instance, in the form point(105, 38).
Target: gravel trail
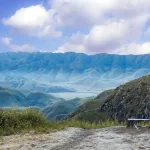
point(114, 138)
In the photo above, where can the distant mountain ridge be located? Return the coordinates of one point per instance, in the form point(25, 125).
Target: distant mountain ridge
point(10, 97)
point(70, 72)
point(68, 62)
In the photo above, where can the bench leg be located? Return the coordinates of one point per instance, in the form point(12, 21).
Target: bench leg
point(136, 126)
point(130, 124)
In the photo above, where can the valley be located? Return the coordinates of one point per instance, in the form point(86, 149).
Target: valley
point(72, 106)
point(74, 74)
point(60, 84)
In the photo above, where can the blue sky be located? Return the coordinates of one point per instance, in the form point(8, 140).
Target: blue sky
point(7, 9)
point(110, 26)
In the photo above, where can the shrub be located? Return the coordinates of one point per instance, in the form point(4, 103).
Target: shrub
point(14, 120)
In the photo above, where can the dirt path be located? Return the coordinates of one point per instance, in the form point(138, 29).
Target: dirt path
point(117, 138)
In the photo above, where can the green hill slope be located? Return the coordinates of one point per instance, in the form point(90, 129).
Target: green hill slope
point(129, 100)
point(59, 110)
point(42, 99)
point(10, 97)
point(89, 110)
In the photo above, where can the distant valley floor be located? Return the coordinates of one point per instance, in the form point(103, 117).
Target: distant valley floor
point(72, 95)
point(116, 138)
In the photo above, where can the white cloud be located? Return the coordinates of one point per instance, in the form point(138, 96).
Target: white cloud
point(8, 42)
point(105, 38)
point(34, 21)
point(5, 40)
point(134, 48)
point(129, 48)
point(108, 37)
point(113, 24)
point(92, 12)
point(39, 21)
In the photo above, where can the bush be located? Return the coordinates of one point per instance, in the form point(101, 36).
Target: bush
point(14, 120)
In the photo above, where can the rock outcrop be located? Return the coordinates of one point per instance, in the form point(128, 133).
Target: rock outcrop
point(130, 100)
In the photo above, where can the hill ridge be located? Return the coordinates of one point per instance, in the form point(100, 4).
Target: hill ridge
point(129, 100)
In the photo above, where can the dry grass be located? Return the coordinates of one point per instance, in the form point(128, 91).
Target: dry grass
point(13, 121)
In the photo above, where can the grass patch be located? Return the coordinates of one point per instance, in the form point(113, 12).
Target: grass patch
point(16, 121)
point(82, 124)
point(13, 121)
point(144, 124)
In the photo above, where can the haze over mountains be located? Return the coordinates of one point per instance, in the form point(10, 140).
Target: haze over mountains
point(70, 72)
point(71, 62)
point(46, 80)
point(10, 97)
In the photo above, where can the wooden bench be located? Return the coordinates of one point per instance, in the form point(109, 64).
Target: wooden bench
point(131, 122)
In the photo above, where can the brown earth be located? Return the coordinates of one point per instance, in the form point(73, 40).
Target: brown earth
point(114, 138)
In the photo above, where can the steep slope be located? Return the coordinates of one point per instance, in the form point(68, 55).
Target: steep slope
point(129, 100)
point(10, 97)
point(42, 99)
point(89, 110)
point(59, 110)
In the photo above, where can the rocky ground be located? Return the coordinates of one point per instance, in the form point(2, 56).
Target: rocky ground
point(115, 138)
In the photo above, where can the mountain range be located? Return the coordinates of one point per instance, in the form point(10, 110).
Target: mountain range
point(70, 72)
point(71, 62)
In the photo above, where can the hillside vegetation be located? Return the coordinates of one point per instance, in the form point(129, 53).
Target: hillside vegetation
point(10, 97)
point(89, 110)
point(61, 109)
point(129, 100)
point(14, 121)
point(42, 99)
point(54, 108)
point(109, 108)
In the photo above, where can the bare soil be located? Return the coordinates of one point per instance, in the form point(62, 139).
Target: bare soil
point(114, 138)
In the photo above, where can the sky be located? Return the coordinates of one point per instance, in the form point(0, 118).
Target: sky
point(82, 26)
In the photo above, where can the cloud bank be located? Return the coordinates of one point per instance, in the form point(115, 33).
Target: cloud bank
point(33, 21)
point(114, 26)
